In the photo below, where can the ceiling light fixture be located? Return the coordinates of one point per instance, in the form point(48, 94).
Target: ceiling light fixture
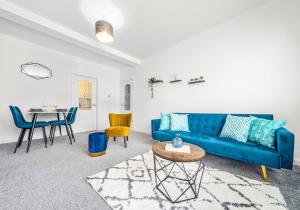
point(94, 10)
point(104, 31)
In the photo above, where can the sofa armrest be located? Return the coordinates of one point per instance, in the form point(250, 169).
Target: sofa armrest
point(155, 125)
point(285, 146)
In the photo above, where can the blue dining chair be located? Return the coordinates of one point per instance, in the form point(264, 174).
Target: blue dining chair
point(21, 123)
point(70, 120)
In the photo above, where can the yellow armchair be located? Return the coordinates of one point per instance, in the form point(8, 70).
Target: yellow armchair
point(119, 126)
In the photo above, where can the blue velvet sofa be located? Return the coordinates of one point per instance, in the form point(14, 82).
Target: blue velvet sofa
point(205, 130)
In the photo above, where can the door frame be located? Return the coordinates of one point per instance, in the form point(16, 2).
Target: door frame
point(131, 80)
point(97, 92)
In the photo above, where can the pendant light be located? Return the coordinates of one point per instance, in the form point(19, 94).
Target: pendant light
point(104, 31)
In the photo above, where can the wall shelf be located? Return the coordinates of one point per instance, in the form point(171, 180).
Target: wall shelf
point(194, 82)
point(157, 81)
point(174, 81)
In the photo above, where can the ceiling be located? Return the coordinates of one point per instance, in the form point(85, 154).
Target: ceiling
point(149, 26)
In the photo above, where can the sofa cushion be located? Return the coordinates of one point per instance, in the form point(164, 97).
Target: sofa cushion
point(249, 143)
point(163, 135)
point(207, 124)
point(165, 121)
point(179, 122)
point(263, 131)
point(212, 124)
point(249, 151)
point(236, 127)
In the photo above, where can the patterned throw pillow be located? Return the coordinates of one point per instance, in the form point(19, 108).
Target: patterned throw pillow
point(165, 121)
point(179, 122)
point(262, 131)
point(236, 128)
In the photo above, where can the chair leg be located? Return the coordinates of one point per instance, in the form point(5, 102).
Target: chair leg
point(50, 135)
point(45, 136)
point(264, 173)
point(72, 133)
point(22, 138)
point(68, 133)
point(114, 138)
point(125, 142)
point(19, 139)
point(53, 134)
point(30, 136)
point(60, 130)
point(58, 118)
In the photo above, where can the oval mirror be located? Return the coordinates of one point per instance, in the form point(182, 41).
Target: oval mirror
point(36, 70)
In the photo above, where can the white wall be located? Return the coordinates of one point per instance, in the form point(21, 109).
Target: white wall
point(251, 65)
point(18, 89)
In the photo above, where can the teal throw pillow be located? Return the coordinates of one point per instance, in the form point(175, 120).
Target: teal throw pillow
point(262, 131)
point(179, 122)
point(165, 121)
point(236, 128)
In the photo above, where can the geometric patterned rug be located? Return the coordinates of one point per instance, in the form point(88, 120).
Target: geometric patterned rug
point(130, 185)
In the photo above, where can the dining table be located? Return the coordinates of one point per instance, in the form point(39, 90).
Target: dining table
point(40, 111)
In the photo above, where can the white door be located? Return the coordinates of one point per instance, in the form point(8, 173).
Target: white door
point(85, 98)
point(127, 96)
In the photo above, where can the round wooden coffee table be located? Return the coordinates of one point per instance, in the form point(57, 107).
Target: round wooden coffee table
point(166, 162)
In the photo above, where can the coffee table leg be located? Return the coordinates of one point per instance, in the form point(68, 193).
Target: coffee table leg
point(202, 172)
point(190, 179)
point(166, 194)
point(193, 180)
point(154, 160)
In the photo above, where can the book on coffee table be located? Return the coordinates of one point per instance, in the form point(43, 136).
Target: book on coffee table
point(184, 148)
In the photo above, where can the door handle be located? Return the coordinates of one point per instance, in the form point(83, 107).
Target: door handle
point(94, 104)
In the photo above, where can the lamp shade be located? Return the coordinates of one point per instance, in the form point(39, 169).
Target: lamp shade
point(104, 31)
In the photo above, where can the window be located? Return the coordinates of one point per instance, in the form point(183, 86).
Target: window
point(85, 95)
point(127, 97)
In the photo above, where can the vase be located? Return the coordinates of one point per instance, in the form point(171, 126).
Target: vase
point(177, 141)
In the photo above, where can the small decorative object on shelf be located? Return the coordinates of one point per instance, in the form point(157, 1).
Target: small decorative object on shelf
point(196, 80)
point(175, 79)
point(152, 81)
point(177, 141)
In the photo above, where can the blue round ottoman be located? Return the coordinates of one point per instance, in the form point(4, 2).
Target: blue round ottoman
point(97, 144)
